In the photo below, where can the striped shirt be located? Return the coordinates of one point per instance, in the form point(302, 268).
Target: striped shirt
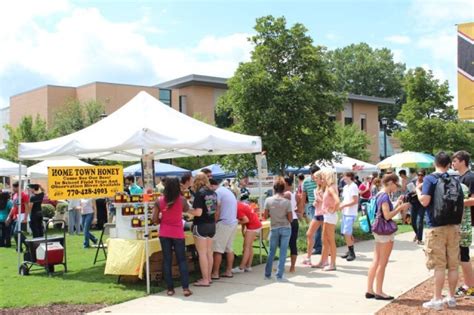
point(309, 185)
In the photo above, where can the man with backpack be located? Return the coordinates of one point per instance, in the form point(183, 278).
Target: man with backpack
point(443, 197)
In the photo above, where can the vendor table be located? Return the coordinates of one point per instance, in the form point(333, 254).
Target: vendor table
point(127, 257)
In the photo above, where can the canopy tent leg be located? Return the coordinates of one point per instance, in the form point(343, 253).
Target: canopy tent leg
point(19, 218)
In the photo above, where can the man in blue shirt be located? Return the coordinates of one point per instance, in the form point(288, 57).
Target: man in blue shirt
point(442, 242)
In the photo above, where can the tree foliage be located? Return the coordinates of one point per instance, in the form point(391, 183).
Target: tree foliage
point(29, 130)
point(431, 124)
point(74, 116)
point(361, 69)
point(352, 141)
point(284, 94)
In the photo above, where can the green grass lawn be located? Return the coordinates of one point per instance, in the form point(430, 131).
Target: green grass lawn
point(85, 283)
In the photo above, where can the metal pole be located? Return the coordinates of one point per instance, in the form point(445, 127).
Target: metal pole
point(19, 218)
point(147, 250)
point(260, 207)
point(385, 141)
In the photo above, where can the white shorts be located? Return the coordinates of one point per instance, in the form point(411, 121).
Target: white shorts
point(330, 218)
point(223, 241)
point(384, 238)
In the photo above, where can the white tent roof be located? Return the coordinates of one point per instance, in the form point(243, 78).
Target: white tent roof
point(8, 168)
point(40, 170)
point(347, 164)
point(143, 123)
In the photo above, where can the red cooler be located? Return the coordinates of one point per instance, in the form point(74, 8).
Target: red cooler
point(55, 254)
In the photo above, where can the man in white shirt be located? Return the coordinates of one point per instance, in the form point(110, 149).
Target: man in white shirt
point(349, 205)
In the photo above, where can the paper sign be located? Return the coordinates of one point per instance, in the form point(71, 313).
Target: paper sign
point(262, 166)
point(84, 182)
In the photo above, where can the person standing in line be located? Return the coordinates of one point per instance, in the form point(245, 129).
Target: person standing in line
point(294, 223)
point(251, 226)
point(36, 215)
point(461, 161)
point(207, 171)
point(226, 228)
point(278, 209)
point(74, 216)
point(18, 217)
point(330, 205)
point(376, 186)
point(350, 202)
point(132, 188)
point(5, 207)
point(88, 212)
point(365, 190)
point(442, 238)
point(318, 218)
point(244, 191)
point(171, 206)
point(417, 210)
point(204, 225)
point(383, 243)
point(309, 185)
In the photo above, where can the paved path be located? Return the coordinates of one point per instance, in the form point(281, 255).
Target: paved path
point(310, 290)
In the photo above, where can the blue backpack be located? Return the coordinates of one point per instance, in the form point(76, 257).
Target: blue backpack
point(368, 214)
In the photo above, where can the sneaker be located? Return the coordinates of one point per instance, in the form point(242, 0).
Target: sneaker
point(450, 301)
point(283, 280)
point(237, 270)
point(267, 278)
point(434, 305)
point(461, 291)
point(248, 269)
point(307, 262)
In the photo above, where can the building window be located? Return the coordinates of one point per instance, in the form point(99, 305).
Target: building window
point(363, 122)
point(183, 108)
point(165, 96)
point(348, 121)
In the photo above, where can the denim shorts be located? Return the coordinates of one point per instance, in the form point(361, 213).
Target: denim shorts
point(318, 218)
point(347, 223)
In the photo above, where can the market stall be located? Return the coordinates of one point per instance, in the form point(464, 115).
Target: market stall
point(40, 170)
point(161, 169)
point(142, 128)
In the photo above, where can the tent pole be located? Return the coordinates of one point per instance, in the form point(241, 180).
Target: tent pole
point(260, 201)
point(147, 250)
point(19, 218)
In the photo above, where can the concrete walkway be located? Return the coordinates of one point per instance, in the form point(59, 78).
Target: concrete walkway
point(310, 290)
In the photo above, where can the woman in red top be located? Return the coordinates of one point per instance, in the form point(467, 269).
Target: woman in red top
point(251, 225)
point(171, 207)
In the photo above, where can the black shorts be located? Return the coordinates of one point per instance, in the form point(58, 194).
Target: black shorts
point(204, 230)
point(465, 257)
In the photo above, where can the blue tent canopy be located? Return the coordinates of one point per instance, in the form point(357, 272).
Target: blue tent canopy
point(161, 169)
point(217, 172)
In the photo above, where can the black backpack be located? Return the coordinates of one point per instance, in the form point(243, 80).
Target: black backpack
point(448, 200)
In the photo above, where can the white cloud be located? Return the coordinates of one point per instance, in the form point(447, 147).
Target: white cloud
point(441, 44)
point(398, 55)
point(398, 39)
point(79, 45)
point(434, 12)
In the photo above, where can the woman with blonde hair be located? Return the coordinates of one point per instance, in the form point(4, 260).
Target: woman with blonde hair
point(318, 219)
point(204, 225)
point(329, 204)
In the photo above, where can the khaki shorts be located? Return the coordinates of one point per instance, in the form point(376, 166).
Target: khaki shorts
point(224, 238)
point(442, 247)
point(384, 238)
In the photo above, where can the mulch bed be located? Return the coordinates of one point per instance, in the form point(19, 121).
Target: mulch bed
point(411, 301)
point(55, 309)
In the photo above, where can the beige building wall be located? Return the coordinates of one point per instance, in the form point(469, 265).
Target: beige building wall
point(371, 112)
point(200, 101)
point(57, 97)
point(28, 103)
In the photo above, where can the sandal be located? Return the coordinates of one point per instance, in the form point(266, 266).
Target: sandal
point(320, 266)
point(170, 292)
point(329, 268)
point(187, 292)
point(199, 284)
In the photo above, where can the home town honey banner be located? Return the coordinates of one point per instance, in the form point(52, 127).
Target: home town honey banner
point(84, 182)
point(466, 70)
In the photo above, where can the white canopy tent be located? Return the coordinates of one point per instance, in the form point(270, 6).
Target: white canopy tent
point(343, 163)
point(141, 126)
point(8, 168)
point(40, 170)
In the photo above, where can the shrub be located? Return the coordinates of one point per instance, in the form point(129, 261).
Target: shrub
point(47, 210)
point(61, 207)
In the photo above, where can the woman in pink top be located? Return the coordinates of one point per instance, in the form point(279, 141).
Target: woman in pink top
point(170, 208)
point(329, 205)
point(317, 220)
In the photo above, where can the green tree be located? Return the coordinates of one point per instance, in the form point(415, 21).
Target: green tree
point(361, 69)
point(352, 141)
point(284, 94)
point(29, 130)
point(431, 123)
point(74, 116)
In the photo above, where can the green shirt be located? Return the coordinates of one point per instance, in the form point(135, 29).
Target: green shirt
point(466, 228)
point(309, 185)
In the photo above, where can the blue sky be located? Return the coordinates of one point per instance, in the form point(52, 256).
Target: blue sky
point(69, 42)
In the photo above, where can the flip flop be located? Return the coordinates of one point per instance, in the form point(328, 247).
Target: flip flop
point(226, 276)
point(197, 284)
point(170, 292)
point(187, 292)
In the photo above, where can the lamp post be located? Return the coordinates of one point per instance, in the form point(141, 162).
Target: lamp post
point(384, 122)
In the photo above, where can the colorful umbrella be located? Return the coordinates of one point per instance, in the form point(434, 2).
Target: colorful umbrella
point(407, 159)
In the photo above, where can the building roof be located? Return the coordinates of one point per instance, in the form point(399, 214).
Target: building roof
point(371, 99)
point(194, 79)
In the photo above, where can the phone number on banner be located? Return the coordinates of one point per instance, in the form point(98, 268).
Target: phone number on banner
point(87, 191)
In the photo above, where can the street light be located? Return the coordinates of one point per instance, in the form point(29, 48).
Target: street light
point(384, 122)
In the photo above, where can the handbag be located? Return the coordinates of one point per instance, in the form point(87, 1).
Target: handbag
point(382, 226)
